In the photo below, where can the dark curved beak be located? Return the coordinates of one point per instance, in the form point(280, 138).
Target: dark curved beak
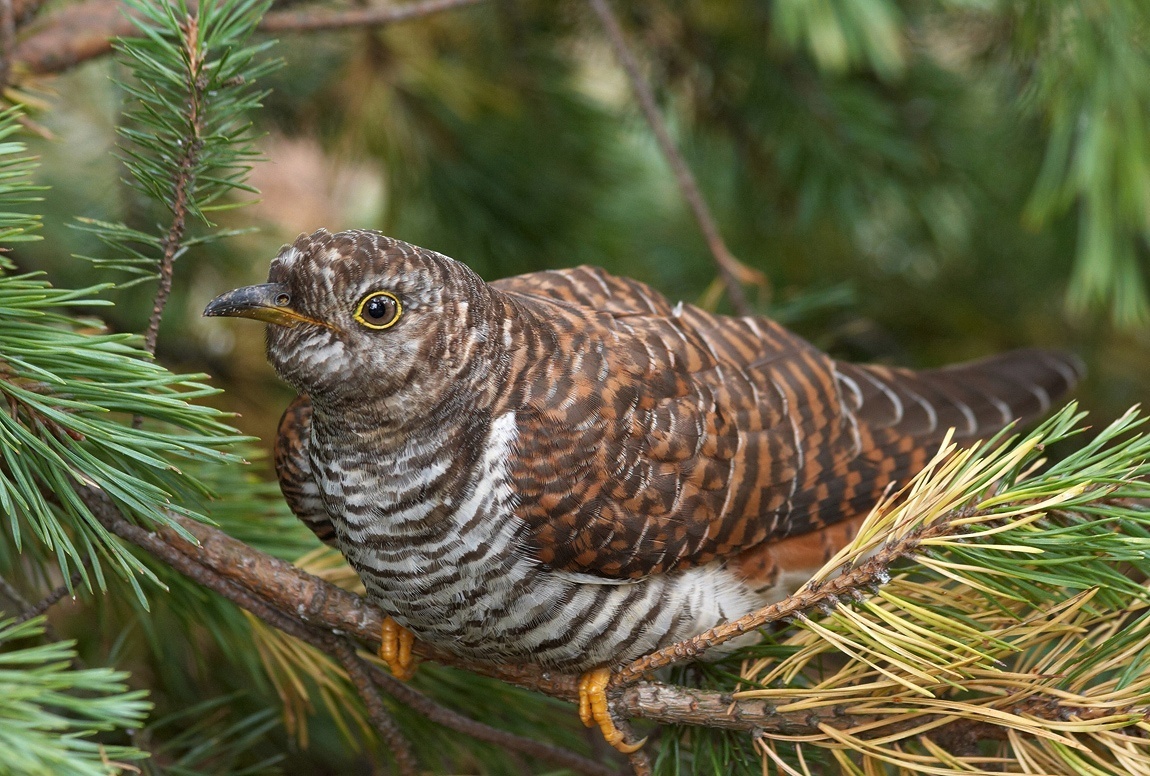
point(269, 302)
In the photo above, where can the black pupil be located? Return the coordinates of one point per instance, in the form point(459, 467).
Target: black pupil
point(380, 309)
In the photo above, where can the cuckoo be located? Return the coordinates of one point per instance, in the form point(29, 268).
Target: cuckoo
point(566, 469)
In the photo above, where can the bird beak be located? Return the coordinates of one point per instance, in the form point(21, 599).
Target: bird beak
point(270, 303)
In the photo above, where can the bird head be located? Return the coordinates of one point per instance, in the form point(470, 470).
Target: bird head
point(356, 314)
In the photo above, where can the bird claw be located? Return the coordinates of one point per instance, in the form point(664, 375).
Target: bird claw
point(593, 709)
point(395, 649)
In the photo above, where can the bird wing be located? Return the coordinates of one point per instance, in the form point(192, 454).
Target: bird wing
point(589, 288)
point(293, 469)
point(660, 437)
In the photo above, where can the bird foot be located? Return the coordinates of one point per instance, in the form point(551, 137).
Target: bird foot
point(395, 649)
point(593, 709)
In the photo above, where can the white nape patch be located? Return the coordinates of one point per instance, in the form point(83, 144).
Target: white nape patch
point(288, 257)
point(677, 310)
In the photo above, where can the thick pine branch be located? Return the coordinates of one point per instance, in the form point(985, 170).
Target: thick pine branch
point(79, 33)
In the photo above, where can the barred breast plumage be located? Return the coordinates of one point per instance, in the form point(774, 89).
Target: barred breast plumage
point(567, 469)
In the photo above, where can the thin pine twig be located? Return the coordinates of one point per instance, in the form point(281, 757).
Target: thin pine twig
point(82, 32)
point(357, 672)
point(420, 703)
point(15, 596)
point(731, 270)
point(52, 598)
point(185, 170)
point(312, 20)
point(869, 573)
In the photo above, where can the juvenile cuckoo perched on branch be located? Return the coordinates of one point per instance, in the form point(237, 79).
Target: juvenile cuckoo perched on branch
point(566, 469)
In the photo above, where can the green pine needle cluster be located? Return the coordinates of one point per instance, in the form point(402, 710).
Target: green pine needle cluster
point(1012, 631)
point(16, 186)
point(206, 739)
point(193, 91)
point(187, 137)
point(50, 711)
point(1017, 616)
point(69, 391)
point(1090, 82)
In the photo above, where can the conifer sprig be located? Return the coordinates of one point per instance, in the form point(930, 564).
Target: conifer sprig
point(66, 388)
point(187, 138)
point(16, 185)
point(50, 711)
point(1018, 617)
point(1088, 78)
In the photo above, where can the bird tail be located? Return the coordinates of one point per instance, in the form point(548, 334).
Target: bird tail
point(977, 398)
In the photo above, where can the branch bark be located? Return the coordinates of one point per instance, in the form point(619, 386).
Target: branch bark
point(416, 700)
point(84, 31)
point(318, 612)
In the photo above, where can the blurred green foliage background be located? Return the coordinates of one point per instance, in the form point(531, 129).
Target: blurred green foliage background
point(921, 181)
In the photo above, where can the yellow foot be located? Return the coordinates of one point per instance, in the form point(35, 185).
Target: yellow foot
point(593, 709)
point(395, 649)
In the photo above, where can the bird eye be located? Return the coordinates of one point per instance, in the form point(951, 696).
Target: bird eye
point(379, 310)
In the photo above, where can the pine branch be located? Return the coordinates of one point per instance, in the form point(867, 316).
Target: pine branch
point(186, 139)
point(16, 186)
point(183, 175)
point(51, 599)
point(65, 387)
point(50, 712)
point(14, 596)
point(326, 607)
point(315, 20)
point(85, 31)
point(1087, 76)
point(294, 618)
point(732, 271)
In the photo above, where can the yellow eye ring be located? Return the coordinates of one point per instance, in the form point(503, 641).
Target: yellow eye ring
point(379, 310)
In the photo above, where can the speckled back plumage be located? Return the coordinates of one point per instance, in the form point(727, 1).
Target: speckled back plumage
point(564, 467)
